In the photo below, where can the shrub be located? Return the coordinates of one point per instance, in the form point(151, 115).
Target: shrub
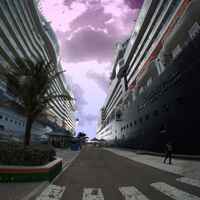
point(17, 154)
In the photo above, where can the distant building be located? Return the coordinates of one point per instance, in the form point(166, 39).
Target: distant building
point(59, 139)
point(24, 33)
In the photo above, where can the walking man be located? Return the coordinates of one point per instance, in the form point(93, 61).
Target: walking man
point(168, 153)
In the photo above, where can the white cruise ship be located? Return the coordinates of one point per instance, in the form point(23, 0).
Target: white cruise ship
point(24, 33)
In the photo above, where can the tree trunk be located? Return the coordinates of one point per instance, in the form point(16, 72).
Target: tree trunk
point(27, 137)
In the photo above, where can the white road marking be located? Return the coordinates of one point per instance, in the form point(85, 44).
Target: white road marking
point(173, 192)
point(189, 181)
point(132, 193)
point(92, 194)
point(52, 192)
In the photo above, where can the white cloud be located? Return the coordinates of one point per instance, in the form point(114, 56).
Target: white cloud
point(115, 7)
point(60, 15)
point(94, 95)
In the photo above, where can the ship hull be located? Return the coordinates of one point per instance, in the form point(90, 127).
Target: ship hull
point(171, 109)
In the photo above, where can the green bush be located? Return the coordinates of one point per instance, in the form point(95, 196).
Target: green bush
point(17, 154)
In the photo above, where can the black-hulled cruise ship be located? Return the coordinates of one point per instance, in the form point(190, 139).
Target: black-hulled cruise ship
point(154, 93)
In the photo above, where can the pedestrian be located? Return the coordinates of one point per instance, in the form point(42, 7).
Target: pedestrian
point(168, 153)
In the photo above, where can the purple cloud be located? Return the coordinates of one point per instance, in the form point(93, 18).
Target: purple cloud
point(80, 104)
point(130, 18)
point(68, 2)
point(90, 118)
point(88, 44)
point(91, 17)
point(134, 4)
point(101, 80)
point(99, 25)
point(79, 96)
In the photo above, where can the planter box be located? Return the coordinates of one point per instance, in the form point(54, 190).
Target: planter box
point(30, 173)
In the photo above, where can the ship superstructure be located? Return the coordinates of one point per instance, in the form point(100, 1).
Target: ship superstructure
point(25, 34)
point(156, 83)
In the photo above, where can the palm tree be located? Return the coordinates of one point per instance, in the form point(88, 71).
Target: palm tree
point(31, 84)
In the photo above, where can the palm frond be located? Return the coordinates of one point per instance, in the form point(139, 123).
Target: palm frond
point(32, 84)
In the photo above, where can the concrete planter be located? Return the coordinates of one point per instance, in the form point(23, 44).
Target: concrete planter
point(30, 173)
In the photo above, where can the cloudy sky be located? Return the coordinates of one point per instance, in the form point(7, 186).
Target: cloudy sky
point(87, 31)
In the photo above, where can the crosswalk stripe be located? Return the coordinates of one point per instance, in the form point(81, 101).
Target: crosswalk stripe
point(92, 194)
point(189, 181)
point(132, 193)
point(173, 192)
point(52, 192)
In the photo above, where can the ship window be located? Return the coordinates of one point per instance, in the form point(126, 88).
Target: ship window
point(11, 120)
point(155, 113)
point(141, 120)
point(147, 117)
point(135, 122)
point(131, 124)
point(127, 125)
point(1, 116)
point(6, 118)
point(15, 122)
